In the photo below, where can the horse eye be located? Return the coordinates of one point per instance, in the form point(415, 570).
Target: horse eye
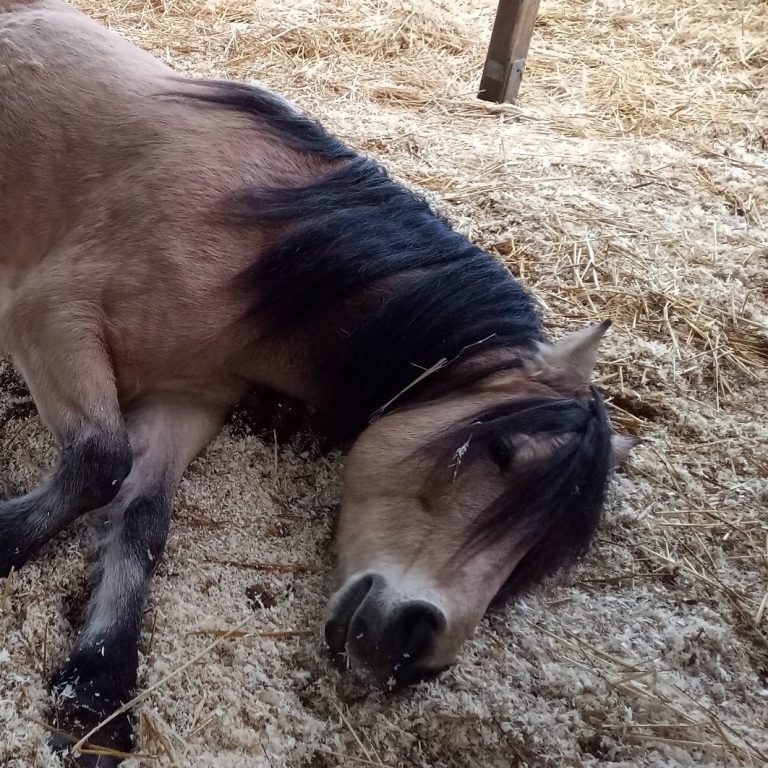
point(501, 453)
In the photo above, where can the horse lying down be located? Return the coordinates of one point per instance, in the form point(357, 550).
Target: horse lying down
point(166, 245)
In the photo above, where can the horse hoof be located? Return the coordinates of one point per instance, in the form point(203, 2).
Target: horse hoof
point(72, 720)
point(62, 745)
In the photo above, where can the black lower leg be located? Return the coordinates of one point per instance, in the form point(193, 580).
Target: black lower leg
point(100, 673)
point(89, 474)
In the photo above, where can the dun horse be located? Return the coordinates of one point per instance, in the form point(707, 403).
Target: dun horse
point(165, 245)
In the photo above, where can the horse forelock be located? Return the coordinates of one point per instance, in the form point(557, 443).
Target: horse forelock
point(553, 506)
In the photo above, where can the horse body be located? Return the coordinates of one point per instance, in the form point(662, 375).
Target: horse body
point(169, 243)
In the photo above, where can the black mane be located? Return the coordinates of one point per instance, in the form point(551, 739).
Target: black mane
point(355, 229)
point(428, 294)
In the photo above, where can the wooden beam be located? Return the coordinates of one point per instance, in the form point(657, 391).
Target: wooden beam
point(510, 39)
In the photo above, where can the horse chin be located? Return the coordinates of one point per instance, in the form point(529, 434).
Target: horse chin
point(394, 679)
point(386, 676)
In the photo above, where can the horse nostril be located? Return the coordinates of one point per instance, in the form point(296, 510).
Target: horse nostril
point(346, 603)
point(413, 630)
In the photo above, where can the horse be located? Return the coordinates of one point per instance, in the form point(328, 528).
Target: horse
point(169, 244)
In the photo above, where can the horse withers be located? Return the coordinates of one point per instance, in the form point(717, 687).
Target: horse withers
point(168, 244)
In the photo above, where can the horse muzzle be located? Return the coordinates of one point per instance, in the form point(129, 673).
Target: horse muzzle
point(381, 635)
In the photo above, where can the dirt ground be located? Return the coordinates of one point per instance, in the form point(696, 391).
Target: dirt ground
point(631, 182)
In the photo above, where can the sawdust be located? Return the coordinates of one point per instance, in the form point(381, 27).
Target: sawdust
point(631, 182)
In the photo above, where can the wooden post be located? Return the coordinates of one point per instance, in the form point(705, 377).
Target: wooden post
point(507, 52)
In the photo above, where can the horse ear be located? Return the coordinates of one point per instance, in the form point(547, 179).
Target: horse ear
point(567, 366)
point(621, 445)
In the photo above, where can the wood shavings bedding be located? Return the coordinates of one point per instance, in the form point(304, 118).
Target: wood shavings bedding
point(631, 182)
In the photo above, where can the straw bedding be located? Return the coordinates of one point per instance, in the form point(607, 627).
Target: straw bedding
point(631, 182)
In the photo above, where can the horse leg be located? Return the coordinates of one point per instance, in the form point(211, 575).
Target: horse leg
point(64, 360)
point(166, 432)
